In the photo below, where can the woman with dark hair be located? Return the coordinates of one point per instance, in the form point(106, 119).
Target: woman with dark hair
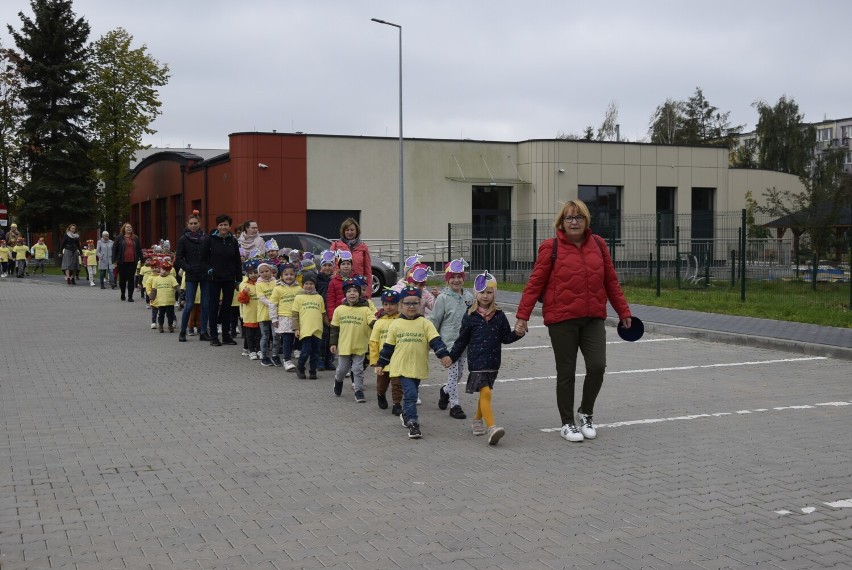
point(70, 249)
point(221, 255)
point(188, 258)
point(126, 254)
point(250, 240)
point(350, 240)
point(574, 281)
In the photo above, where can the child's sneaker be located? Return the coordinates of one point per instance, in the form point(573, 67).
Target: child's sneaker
point(338, 388)
point(277, 362)
point(443, 398)
point(359, 397)
point(396, 409)
point(478, 427)
point(457, 412)
point(252, 356)
point(245, 352)
point(300, 374)
point(312, 374)
point(153, 326)
point(403, 419)
point(289, 366)
point(191, 332)
point(266, 361)
point(494, 435)
point(414, 430)
point(383, 401)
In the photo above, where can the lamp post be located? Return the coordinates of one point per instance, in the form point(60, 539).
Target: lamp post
point(401, 206)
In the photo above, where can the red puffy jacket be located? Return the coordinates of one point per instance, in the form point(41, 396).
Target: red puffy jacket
point(579, 284)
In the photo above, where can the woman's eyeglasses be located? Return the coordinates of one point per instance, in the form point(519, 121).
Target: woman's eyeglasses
point(411, 303)
point(577, 219)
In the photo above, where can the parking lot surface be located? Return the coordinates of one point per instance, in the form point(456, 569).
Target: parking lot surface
point(122, 448)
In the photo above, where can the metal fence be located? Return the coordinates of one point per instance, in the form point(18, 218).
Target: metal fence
point(722, 252)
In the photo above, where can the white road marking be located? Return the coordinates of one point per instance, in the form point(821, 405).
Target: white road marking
point(846, 503)
point(808, 510)
point(782, 512)
point(712, 415)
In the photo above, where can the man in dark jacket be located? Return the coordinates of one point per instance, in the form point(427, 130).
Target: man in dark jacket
point(221, 255)
point(188, 258)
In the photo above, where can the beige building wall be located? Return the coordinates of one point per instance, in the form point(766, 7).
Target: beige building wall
point(361, 173)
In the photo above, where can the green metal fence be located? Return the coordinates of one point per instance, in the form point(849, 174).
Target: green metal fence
point(725, 253)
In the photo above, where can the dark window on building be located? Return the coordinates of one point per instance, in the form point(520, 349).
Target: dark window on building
point(162, 221)
point(491, 225)
point(327, 222)
point(702, 224)
point(604, 204)
point(666, 209)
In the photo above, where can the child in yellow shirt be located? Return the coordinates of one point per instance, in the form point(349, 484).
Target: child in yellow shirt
point(39, 252)
point(282, 316)
point(390, 311)
point(21, 253)
point(308, 319)
point(5, 252)
point(350, 337)
point(248, 300)
point(164, 288)
point(90, 258)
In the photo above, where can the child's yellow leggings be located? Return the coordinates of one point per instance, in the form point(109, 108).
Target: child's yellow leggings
point(483, 408)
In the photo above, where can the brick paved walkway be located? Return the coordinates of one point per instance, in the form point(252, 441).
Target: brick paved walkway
point(122, 448)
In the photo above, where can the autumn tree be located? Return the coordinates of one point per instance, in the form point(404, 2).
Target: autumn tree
point(125, 101)
point(692, 122)
point(52, 52)
point(784, 142)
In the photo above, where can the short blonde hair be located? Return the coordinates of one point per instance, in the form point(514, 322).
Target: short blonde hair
point(576, 208)
point(350, 222)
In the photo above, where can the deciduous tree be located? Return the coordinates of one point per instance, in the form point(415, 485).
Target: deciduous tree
point(123, 91)
point(10, 125)
point(784, 142)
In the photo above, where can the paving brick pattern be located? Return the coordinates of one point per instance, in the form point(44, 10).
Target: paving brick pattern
point(122, 448)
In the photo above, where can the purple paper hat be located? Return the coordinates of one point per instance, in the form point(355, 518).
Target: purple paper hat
point(308, 255)
point(412, 260)
point(327, 257)
point(344, 255)
point(420, 273)
point(483, 281)
point(271, 245)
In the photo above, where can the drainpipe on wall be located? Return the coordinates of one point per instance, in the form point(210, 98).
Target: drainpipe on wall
point(182, 199)
point(204, 207)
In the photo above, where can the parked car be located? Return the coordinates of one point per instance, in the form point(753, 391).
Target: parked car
point(384, 273)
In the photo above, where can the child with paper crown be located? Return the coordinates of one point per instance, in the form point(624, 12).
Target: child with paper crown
point(308, 318)
point(248, 300)
point(350, 338)
point(450, 308)
point(483, 332)
point(281, 314)
point(164, 288)
point(390, 311)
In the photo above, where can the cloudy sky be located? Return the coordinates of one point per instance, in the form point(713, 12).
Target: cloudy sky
point(489, 70)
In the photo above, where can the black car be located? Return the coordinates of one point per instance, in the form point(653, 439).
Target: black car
point(384, 273)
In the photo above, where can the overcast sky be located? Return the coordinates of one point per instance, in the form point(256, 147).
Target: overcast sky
point(488, 70)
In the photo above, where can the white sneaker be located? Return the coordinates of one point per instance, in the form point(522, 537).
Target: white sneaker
point(252, 356)
point(245, 352)
point(478, 427)
point(289, 366)
point(494, 435)
point(587, 427)
point(571, 433)
point(91, 283)
point(153, 325)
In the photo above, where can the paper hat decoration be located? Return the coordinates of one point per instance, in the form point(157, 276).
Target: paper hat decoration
point(455, 267)
point(349, 284)
point(344, 255)
point(419, 273)
point(483, 281)
point(409, 291)
point(360, 280)
point(327, 257)
point(271, 245)
point(412, 260)
point(251, 265)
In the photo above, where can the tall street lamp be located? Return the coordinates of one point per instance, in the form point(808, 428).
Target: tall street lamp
point(401, 207)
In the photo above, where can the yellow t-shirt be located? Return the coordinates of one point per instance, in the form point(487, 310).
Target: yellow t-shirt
point(21, 252)
point(197, 289)
point(249, 310)
point(310, 308)
point(147, 284)
point(165, 287)
point(283, 296)
point(40, 251)
point(264, 288)
point(354, 323)
point(378, 336)
point(145, 270)
point(91, 257)
point(4, 253)
point(410, 338)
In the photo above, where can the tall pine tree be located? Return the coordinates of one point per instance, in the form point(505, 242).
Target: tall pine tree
point(52, 63)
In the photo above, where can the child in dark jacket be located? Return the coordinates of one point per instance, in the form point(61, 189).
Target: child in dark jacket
point(483, 330)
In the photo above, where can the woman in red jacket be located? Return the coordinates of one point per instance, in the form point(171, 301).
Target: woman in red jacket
point(350, 240)
point(574, 292)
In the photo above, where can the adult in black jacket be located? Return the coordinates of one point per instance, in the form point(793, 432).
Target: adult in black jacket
point(188, 258)
point(221, 254)
point(126, 254)
point(70, 250)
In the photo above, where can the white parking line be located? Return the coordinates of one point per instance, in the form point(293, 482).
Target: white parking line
point(713, 415)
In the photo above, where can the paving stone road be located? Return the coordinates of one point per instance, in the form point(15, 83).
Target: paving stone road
point(122, 448)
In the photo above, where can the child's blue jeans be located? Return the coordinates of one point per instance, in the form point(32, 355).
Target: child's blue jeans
point(284, 342)
point(310, 348)
point(265, 334)
point(409, 397)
